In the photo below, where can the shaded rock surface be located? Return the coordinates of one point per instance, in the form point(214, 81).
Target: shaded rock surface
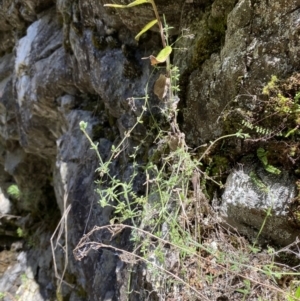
point(241, 44)
point(65, 61)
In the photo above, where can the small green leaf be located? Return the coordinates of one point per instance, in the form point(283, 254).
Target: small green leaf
point(134, 3)
point(147, 27)
point(291, 132)
point(262, 156)
point(14, 191)
point(115, 5)
point(297, 294)
point(83, 125)
point(164, 53)
point(272, 169)
point(138, 2)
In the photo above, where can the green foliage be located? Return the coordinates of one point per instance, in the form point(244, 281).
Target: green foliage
point(20, 232)
point(258, 182)
point(172, 213)
point(164, 54)
point(146, 28)
point(281, 103)
point(246, 290)
point(297, 97)
point(262, 156)
point(167, 183)
point(272, 84)
point(83, 125)
point(295, 296)
point(132, 4)
point(14, 191)
point(276, 119)
point(24, 278)
point(259, 129)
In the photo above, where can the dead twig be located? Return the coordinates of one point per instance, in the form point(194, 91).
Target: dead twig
point(61, 228)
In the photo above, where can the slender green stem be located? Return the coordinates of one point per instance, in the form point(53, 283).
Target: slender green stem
point(93, 145)
point(213, 143)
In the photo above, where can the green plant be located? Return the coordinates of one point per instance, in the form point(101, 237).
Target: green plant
point(262, 156)
point(165, 84)
point(24, 278)
point(172, 216)
point(271, 85)
point(276, 115)
point(20, 232)
point(246, 290)
point(295, 295)
point(14, 191)
point(164, 54)
point(268, 213)
point(259, 129)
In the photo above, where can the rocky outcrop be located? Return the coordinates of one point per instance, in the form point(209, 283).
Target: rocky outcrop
point(258, 204)
point(239, 47)
point(66, 61)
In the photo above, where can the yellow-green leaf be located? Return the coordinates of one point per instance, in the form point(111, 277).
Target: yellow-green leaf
point(163, 54)
point(147, 27)
point(137, 2)
point(115, 5)
point(161, 57)
point(134, 3)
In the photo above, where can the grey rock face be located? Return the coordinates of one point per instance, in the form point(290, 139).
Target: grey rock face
point(250, 192)
point(137, 17)
point(5, 205)
point(28, 274)
point(259, 41)
point(42, 73)
point(14, 18)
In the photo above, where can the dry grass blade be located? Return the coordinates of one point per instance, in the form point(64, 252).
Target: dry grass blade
point(56, 236)
point(85, 245)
